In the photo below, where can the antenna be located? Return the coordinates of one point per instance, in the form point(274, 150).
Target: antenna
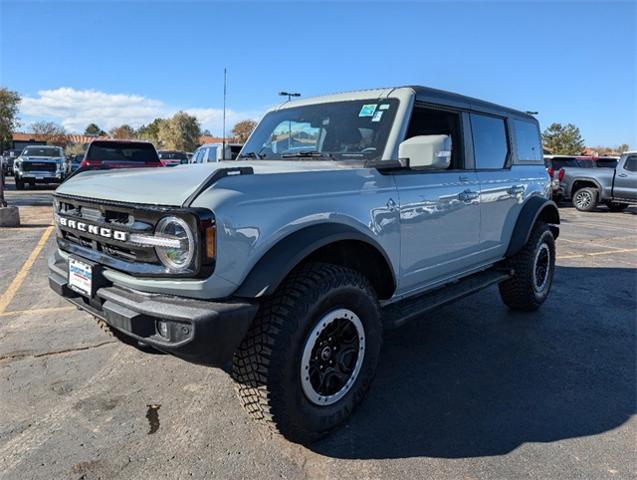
point(225, 92)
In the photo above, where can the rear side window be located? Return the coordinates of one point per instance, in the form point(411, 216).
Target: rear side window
point(123, 152)
point(527, 141)
point(489, 141)
point(631, 163)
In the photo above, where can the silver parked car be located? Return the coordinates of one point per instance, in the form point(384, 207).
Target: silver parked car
point(342, 215)
point(214, 152)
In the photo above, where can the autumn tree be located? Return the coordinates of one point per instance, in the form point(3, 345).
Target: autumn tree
point(623, 148)
point(243, 129)
point(50, 132)
point(73, 149)
point(9, 101)
point(181, 132)
point(563, 139)
point(122, 132)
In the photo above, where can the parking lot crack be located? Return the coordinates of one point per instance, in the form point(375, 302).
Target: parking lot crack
point(20, 355)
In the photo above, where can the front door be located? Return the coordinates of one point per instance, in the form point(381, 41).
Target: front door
point(625, 186)
point(439, 225)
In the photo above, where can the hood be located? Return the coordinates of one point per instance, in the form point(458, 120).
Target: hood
point(170, 186)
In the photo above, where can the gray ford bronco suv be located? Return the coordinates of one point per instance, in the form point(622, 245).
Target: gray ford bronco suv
point(343, 215)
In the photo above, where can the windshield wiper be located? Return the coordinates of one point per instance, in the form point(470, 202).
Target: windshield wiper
point(308, 154)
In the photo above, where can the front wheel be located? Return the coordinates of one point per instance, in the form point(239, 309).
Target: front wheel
point(533, 269)
point(311, 353)
point(585, 199)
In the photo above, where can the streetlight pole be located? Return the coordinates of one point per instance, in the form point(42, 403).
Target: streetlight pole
point(289, 95)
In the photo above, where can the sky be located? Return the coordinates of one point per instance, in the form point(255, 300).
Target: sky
point(131, 61)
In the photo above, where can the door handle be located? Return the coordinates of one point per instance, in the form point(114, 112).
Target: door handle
point(468, 195)
point(622, 175)
point(515, 189)
point(463, 178)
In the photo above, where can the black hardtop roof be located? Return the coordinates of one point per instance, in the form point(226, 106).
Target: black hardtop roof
point(427, 94)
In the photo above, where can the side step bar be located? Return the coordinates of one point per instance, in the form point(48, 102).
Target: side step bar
point(399, 313)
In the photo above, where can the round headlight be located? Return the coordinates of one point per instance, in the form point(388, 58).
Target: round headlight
point(176, 258)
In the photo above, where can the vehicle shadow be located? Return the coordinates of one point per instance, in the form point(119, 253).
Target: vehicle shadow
point(474, 379)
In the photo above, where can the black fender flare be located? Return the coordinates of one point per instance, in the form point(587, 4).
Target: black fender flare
point(533, 209)
point(272, 268)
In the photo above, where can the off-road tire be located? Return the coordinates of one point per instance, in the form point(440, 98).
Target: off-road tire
point(585, 199)
point(617, 206)
point(267, 365)
point(520, 292)
point(19, 184)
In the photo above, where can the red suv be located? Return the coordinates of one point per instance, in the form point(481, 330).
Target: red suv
point(121, 154)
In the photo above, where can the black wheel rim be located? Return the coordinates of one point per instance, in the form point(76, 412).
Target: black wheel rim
point(541, 267)
point(332, 357)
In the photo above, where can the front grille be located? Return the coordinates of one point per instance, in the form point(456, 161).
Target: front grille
point(85, 223)
point(30, 166)
point(115, 218)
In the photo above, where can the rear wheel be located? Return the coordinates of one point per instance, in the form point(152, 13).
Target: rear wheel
point(585, 199)
point(311, 353)
point(617, 206)
point(533, 269)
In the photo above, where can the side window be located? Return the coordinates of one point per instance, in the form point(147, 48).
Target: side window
point(428, 121)
point(196, 157)
point(489, 141)
point(631, 163)
point(527, 141)
point(211, 154)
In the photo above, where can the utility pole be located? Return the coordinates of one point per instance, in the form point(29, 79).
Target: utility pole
point(225, 93)
point(289, 95)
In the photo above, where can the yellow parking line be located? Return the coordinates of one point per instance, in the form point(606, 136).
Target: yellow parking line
point(8, 295)
point(38, 310)
point(595, 254)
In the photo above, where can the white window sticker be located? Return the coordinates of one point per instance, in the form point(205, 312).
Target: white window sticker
point(368, 110)
point(384, 106)
point(377, 116)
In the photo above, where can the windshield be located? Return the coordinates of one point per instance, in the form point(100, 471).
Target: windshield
point(173, 156)
point(42, 152)
point(122, 151)
point(337, 131)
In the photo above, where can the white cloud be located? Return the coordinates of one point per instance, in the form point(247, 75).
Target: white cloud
point(75, 109)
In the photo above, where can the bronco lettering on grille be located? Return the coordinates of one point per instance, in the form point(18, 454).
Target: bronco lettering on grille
point(94, 229)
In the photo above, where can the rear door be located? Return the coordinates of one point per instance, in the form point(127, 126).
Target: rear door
point(501, 187)
point(625, 186)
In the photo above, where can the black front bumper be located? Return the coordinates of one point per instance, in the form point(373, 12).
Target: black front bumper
point(198, 331)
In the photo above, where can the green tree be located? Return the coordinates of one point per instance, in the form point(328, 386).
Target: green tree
point(150, 132)
point(243, 129)
point(50, 132)
point(181, 132)
point(93, 129)
point(123, 132)
point(563, 139)
point(9, 101)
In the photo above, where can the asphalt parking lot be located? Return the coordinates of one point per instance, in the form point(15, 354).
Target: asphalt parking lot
point(472, 391)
